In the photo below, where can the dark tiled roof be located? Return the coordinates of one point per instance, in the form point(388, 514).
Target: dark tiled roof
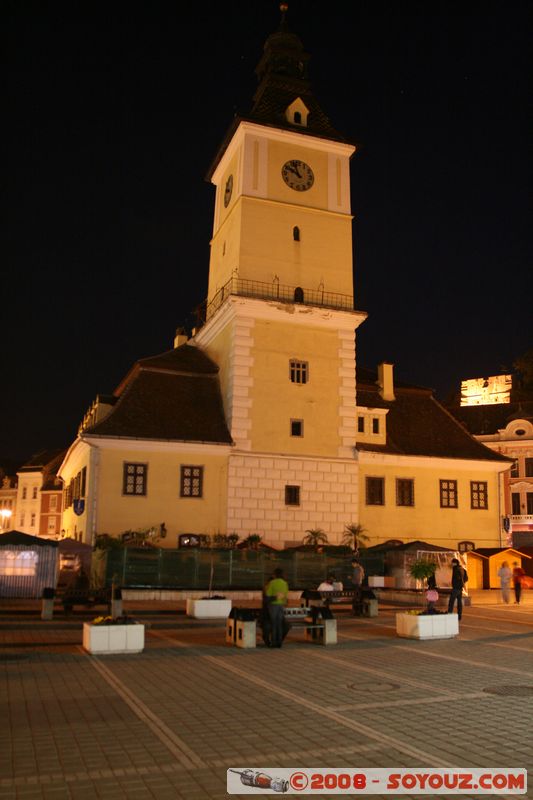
point(283, 77)
point(173, 396)
point(51, 459)
point(17, 538)
point(489, 419)
point(418, 425)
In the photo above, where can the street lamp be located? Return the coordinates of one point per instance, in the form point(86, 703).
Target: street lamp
point(5, 514)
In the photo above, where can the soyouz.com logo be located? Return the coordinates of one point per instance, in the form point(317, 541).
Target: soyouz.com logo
point(278, 780)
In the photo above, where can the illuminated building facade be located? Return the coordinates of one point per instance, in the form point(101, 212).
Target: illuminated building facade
point(40, 496)
point(252, 425)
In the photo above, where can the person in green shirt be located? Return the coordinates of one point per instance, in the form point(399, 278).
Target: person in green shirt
point(277, 592)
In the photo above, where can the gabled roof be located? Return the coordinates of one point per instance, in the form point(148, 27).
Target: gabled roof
point(418, 425)
point(487, 552)
point(171, 396)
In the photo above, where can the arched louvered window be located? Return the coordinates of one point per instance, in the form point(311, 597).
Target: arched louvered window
point(298, 295)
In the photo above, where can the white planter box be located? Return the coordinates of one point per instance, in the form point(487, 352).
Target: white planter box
point(101, 639)
point(208, 609)
point(376, 581)
point(427, 626)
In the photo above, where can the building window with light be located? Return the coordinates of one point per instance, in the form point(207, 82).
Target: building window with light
point(405, 492)
point(375, 491)
point(191, 481)
point(478, 494)
point(448, 494)
point(134, 479)
point(298, 371)
point(466, 547)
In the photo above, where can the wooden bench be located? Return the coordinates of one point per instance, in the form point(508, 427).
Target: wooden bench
point(96, 597)
point(318, 622)
point(359, 599)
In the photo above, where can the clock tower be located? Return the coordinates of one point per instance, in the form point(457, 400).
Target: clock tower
point(280, 319)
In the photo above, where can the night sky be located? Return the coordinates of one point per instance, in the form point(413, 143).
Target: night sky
point(114, 112)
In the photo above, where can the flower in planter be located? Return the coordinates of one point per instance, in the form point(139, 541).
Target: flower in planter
point(124, 620)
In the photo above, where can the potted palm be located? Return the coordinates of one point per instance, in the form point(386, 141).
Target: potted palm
point(212, 606)
point(355, 537)
point(315, 537)
point(419, 624)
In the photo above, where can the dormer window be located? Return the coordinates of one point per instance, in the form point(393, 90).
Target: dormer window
point(297, 113)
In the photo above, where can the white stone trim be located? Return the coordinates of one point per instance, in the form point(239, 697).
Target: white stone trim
point(256, 496)
point(346, 408)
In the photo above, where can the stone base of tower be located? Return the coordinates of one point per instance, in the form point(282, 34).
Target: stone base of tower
point(328, 497)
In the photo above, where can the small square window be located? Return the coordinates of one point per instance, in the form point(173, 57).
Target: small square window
point(292, 495)
point(298, 371)
point(134, 479)
point(191, 481)
point(297, 427)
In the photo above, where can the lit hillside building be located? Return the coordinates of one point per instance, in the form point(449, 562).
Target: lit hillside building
point(506, 427)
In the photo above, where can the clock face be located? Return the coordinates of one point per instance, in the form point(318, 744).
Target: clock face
point(228, 190)
point(298, 175)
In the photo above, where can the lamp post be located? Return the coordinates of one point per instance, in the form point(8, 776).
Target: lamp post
point(5, 514)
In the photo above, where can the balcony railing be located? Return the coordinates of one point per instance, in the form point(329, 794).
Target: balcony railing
point(522, 518)
point(279, 293)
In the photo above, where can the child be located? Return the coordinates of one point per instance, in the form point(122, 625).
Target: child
point(432, 595)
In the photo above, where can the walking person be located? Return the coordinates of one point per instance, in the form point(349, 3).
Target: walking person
point(459, 578)
point(505, 575)
point(518, 574)
point(277, 591)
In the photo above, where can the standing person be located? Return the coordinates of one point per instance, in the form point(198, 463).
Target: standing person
point(505, 574)
point(277, 591)
point(358, 574)
point(265, 615)
point(518, 574)
point(458, 581)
